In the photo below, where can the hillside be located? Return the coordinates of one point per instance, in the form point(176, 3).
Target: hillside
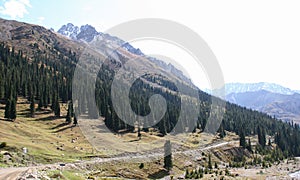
point(48, 87)
point(270, 98)
point(284, 107)
point(36, 40)
point(36, 92)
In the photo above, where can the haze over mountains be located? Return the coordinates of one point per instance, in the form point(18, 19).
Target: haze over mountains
point(273, 99)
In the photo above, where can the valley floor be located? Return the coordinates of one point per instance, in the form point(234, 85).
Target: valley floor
point(50, 141)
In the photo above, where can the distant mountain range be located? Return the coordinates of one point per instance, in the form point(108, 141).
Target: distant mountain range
point(270, 98)
point(253, 87)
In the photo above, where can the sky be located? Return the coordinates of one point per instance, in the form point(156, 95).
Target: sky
point(254, 41)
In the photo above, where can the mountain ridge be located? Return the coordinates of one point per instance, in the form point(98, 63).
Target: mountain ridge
point(250, 87)
point(87, 33)
point(273, 99)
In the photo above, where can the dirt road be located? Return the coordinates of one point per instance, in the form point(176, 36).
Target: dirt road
point(15, 173)
point(12, 173)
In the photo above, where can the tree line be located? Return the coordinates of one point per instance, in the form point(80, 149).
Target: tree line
point(48, 82)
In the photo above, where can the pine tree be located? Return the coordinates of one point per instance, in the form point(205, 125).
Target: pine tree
point(261, 136)
point(32, 108)
point(249, 146)
point(242, 139)
point(168, 155)
point(13, 110)
point(209, 162)
point(222, 132)
point(7, 109)
point(57, 108)
point(69, 113)
point(75, 121)
point(187, 174)
point(40, 104)
point(264, 141)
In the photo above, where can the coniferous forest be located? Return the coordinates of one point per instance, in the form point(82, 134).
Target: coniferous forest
point(48, 82)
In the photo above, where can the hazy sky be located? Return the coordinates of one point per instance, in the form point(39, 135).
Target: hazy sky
point(253, 41)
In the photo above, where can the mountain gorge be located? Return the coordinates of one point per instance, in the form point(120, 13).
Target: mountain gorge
point(39, 64)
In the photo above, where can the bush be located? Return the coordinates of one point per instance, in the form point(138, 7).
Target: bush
point(141, 166)
point(3, 145)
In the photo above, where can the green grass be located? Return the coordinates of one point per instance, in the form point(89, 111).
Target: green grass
point(68, 175)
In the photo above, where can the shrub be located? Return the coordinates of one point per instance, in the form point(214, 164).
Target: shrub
point(141, 166)
point(3, 145)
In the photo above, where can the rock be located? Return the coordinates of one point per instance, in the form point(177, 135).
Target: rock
point(31, 176)
point(188, 163)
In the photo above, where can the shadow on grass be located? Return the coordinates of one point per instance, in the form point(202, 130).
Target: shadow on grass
point(43, 112)
point(159, 174)
point(49, 118)
point(60, 125)
point(134, 140)
point(64, 126)
point(68, 126)
point(4, 119)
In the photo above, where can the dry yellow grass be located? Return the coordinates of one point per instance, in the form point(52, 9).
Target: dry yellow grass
point(45, 137)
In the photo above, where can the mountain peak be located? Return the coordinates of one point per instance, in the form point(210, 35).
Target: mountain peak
point(85, 32)
point(88, 32)
point(69, 30)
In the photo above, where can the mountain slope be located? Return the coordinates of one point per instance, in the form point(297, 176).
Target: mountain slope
point(47, 79)
point(270, 98)
point(285, 107)
point(34, 39)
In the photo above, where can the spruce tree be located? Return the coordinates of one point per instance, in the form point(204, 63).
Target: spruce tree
point(209, 162)
point(13, 110)
point(242, 139)
point(168, 155)
point(32, 108)
point(40, 104)
point(75, 121)
point(249, 147)
point(57, 108)
point(261, 136)
point(7, 109)
point(69, 113)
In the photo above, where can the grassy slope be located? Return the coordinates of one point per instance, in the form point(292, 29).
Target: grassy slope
point(47, 138)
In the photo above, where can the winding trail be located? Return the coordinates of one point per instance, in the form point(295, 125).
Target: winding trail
point(15, 173)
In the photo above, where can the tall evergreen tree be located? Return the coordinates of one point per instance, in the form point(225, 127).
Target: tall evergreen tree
point(168, 155)
point(209, 161)
point(7, 109)
point(261, 134)
point(242, 139)
point(32, 107)
point(69, 113)
point(249, 146)
point(57, 108)
point(75, 121)
point(13, 110)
